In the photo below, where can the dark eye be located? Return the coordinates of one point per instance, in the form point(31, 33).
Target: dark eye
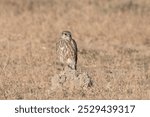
point(65, 34)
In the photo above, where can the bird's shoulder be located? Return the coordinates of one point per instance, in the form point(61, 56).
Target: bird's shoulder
point(60, 43)
point(74, 44)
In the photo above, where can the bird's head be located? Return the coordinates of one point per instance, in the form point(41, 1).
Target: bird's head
point(66, 35)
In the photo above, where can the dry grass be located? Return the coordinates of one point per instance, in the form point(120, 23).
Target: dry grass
point(113, 38)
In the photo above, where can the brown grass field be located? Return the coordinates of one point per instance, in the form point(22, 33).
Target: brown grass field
point(113, 38)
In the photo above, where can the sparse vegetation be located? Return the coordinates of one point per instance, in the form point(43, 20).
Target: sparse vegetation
point(113, 38)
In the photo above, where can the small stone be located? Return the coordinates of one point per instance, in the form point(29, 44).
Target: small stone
point(71, 79)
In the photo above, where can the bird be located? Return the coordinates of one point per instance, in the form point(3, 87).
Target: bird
point(66, 49)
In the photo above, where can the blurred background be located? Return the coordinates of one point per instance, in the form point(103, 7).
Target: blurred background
point(113, 37)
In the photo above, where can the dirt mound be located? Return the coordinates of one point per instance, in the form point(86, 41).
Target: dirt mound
point(71, 79)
